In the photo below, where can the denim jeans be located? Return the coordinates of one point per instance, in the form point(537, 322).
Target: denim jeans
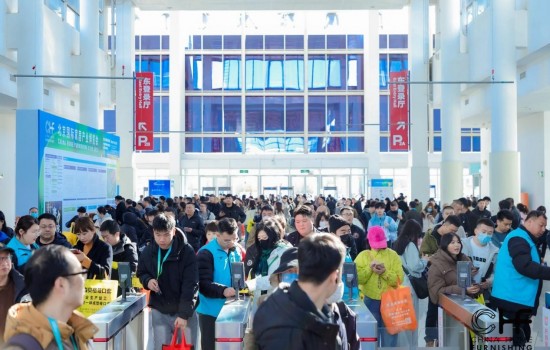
point(384, 338)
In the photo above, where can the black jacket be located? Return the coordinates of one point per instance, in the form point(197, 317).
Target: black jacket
point(19, 285)
point(469, 222)
point(179, 280)
point(124, 251)
point(59, 239)
point(482, 214)
point(196, 225)
point(139, 226)
point(101, 255)
point(289, 320)
point(119, 212)
point(234, 212)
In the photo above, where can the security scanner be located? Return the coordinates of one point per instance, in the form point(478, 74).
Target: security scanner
point(237, 277)
point(121, 323)
point(124, 278)
point(367, 327)
point(231, 324)
point(459, 315)
point(464, 275)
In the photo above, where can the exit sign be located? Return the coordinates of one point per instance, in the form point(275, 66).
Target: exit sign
point(243, 171)
point(304, 171)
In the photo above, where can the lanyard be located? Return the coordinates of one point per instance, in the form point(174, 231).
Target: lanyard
point(57, 335)
point(159, 264)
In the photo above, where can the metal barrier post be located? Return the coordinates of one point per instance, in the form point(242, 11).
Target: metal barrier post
point(231, 324)
point(367, 327)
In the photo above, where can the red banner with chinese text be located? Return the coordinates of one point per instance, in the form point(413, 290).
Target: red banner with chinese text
point(143, 140)
point(399, 111)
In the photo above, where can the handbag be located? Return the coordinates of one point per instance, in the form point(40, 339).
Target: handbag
point(419, 284)
point(397, 310)
point(173, 344)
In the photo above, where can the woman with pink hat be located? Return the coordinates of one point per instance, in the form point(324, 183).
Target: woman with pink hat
point(378, 269)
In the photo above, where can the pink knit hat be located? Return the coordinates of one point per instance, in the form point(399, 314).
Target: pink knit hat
point(377, 237)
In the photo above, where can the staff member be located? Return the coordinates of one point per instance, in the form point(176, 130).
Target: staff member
point(519, 267)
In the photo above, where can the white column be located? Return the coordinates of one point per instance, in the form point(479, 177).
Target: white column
point(419, 38)
point(451, 164)
point(30, 52)
point(504, 157)
point(89, 58)
point(7, 166)
point(177, 98)
point(125, 57)
point(546, 160)
point(372, 96)
point(485, 138)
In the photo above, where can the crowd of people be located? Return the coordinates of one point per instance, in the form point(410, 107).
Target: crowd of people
point(181, 249)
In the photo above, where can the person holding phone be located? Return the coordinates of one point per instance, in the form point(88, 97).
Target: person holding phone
point(378, 270)
point(93, 254)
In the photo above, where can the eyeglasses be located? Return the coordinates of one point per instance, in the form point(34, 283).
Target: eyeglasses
point(83, 272)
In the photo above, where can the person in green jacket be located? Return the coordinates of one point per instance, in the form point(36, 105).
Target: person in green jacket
point(431, 240)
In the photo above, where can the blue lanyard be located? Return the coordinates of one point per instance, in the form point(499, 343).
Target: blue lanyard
point(57, 335)
point(159, 264)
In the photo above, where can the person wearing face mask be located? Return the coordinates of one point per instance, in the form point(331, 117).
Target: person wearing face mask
point(341, 228)
point(378, 270)
point(483, 253)
point(264, 257)
point(322, 222)
point(33, 212)
point(298, 316)
point(265, 213)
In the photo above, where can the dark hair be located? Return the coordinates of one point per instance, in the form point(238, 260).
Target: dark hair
point(151, 212)
point(266, 207)
point(272, 228)
point(303, 210)
point(453, 220)
point(4, 226)
point(319, 255)
point(212, 226)
point(47, 216)
point(227, 225)
point(110, 226)
point(379, 205)
point(279, 207)
point(119, 198)
point(522, 208)
point(533, 214)
point(81, 210)
point(410, 232)
point(320, 215)
point(101, 210)
point(251, 204)
point(446, 240)
point(169, 202)
point(83, 224)
point(25, 223)
point(504, 204)
point(43, 268)
point(542, 208)
point(163, 223)
point(505, 214)
point(412, 204)
point(486, 222)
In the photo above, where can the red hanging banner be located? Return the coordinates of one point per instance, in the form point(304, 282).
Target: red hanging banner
point(143, 140)
point(399, 112)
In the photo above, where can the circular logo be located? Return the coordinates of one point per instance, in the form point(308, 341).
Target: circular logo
point(249, 263)
point(477, 326)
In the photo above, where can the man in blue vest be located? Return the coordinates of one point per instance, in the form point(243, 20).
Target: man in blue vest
point(214, 261)
point(519, 267)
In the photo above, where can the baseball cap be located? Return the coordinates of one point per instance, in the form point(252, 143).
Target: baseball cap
point(289, 259)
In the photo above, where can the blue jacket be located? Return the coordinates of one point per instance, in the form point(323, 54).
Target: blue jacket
point(22, 252)
point(214, 277)
point(508, 279)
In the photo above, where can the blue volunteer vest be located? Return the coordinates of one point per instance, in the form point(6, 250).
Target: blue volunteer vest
point(509, 284)
point(222, 275)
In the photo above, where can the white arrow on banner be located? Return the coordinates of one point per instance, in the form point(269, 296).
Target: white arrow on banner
point(401, 125)
point(142, 126)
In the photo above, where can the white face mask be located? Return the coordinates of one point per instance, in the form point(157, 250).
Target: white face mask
point(323, 224)
point(337, 295)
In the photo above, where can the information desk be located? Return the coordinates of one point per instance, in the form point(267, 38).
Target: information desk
point(459, 315)
point(231, 324)
point(367, 327)
point(121, 324)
